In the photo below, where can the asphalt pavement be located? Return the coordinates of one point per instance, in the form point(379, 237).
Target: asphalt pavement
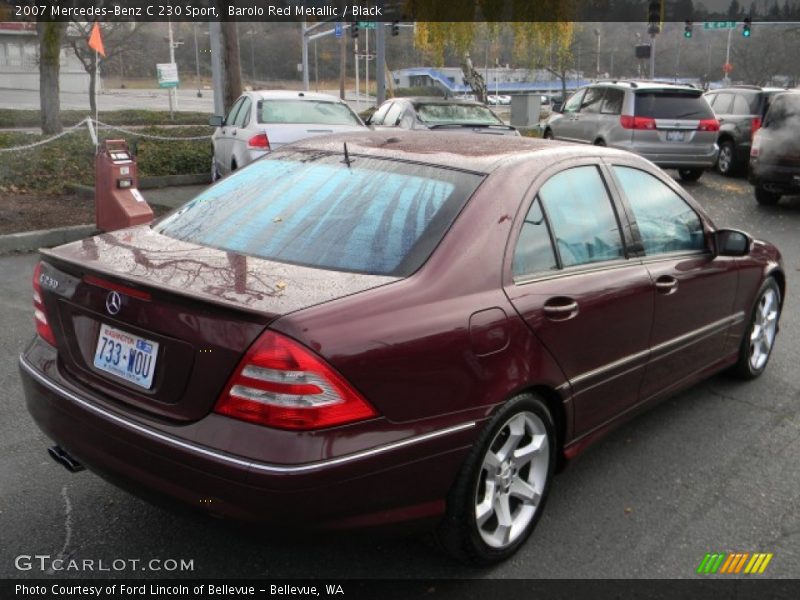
point(714, 469)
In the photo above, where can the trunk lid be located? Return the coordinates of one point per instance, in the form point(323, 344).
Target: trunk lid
point(181, 314)
point(280, 135)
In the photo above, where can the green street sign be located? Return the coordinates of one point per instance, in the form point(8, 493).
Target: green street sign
point(366, 24)
point(719, 25)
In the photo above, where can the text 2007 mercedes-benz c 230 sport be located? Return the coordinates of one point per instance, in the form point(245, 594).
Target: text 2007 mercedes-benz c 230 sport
point(372, 330)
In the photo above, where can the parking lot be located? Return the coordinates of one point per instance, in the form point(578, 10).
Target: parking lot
point(714, 469)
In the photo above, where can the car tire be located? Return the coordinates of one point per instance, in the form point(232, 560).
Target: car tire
point(759, 337)
point(765, 197)
point(690, 174)
point(548, 134)
point(727, 164)
point(599, 143)
point(501, 490)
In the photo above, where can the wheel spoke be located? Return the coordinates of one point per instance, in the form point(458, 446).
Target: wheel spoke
point(502, 509)
point(485, 509)
point(524, 455)
point(491, 463)
point(522, 489)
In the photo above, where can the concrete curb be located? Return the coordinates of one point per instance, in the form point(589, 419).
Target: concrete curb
point(148, 183)
point(29, 241)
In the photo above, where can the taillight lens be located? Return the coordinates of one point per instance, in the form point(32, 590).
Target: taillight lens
point(631, 122)
point(280, 383)
point(708, 125)
point(755, 125)
point(39, 313)
point(755, 147)
point(259, 141)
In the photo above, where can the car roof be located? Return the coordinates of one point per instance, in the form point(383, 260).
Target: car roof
point(436, 100)
point(482, 153)
point(631, 84)
point(293, 94)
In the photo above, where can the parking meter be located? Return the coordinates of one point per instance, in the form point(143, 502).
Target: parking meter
point(117, 200)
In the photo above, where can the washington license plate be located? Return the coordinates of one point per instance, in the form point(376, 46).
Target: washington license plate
point(127, 356)
point(674, 136)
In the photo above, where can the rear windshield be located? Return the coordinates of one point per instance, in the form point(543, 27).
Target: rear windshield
point(456, 113)
point(377, 216)
point(672, 105)
point(306, 111)
point(784, 108)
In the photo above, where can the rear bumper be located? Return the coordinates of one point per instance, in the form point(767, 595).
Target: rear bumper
point(779, 178)
point(702, 157)
point(384, 485)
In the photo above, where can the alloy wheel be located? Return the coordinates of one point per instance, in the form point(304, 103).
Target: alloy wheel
point(765, 325)
point(512, 480)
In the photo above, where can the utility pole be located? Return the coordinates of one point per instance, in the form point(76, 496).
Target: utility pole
point(217, 76)
point(597, 69)
point(173, 98)
point(728, 57)
point(655, 16)
point(304, 31)
point(342, 64)
point(380, 63)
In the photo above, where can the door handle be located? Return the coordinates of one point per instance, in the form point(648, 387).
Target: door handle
point(560, 308)
point(666, 284)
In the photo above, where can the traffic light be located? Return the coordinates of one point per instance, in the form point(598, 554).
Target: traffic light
point(654, 17)
point(395, 28)
point(354, 30)
point(746, 31)
point(687, 29)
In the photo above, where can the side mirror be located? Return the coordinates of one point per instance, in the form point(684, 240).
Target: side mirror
point(731, 242)
point(216, 121)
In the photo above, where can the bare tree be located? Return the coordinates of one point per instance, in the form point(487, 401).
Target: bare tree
point(231, 64)
point(116, 40)
point(50, 37)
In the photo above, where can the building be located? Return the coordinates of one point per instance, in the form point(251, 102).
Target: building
point(19, 61)
point(499, 80)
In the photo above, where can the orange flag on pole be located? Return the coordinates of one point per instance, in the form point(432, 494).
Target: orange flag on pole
point(95, 41)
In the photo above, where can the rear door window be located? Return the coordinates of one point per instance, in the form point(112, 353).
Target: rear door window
point(672, 105)
point(612, 102)
point(581, 216)
point(534, 251)
point(377, 216)
point(740, 105)
point(722, 103)
point(784, 108)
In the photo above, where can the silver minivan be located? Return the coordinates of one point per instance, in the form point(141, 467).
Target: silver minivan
point(671, 125)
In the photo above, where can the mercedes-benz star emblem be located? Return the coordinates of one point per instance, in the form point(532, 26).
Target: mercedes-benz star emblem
point(113, 303)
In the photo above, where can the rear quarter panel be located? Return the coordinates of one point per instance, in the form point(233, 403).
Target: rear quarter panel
point(409, 346)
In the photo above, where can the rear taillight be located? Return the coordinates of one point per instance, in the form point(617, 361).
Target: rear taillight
point(755, 147)
point(259, 141)
point(280, 383)
point(708, 125)
point(755, 125)
point(631, 122)
point(39, 312)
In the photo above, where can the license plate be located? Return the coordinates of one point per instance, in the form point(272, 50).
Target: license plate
point(674, 136)
point(127, 356)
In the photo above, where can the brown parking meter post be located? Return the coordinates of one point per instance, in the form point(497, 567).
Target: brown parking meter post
point(117, 201)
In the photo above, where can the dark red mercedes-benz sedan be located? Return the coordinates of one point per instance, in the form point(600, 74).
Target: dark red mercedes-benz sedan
point(376, 329)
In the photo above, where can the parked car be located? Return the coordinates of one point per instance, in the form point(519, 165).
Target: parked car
point(775, 153)
point(440, 114)
point(670, 125)
point(391, 328)
point(740, 111)
point(502, 99)
point(265, 120)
